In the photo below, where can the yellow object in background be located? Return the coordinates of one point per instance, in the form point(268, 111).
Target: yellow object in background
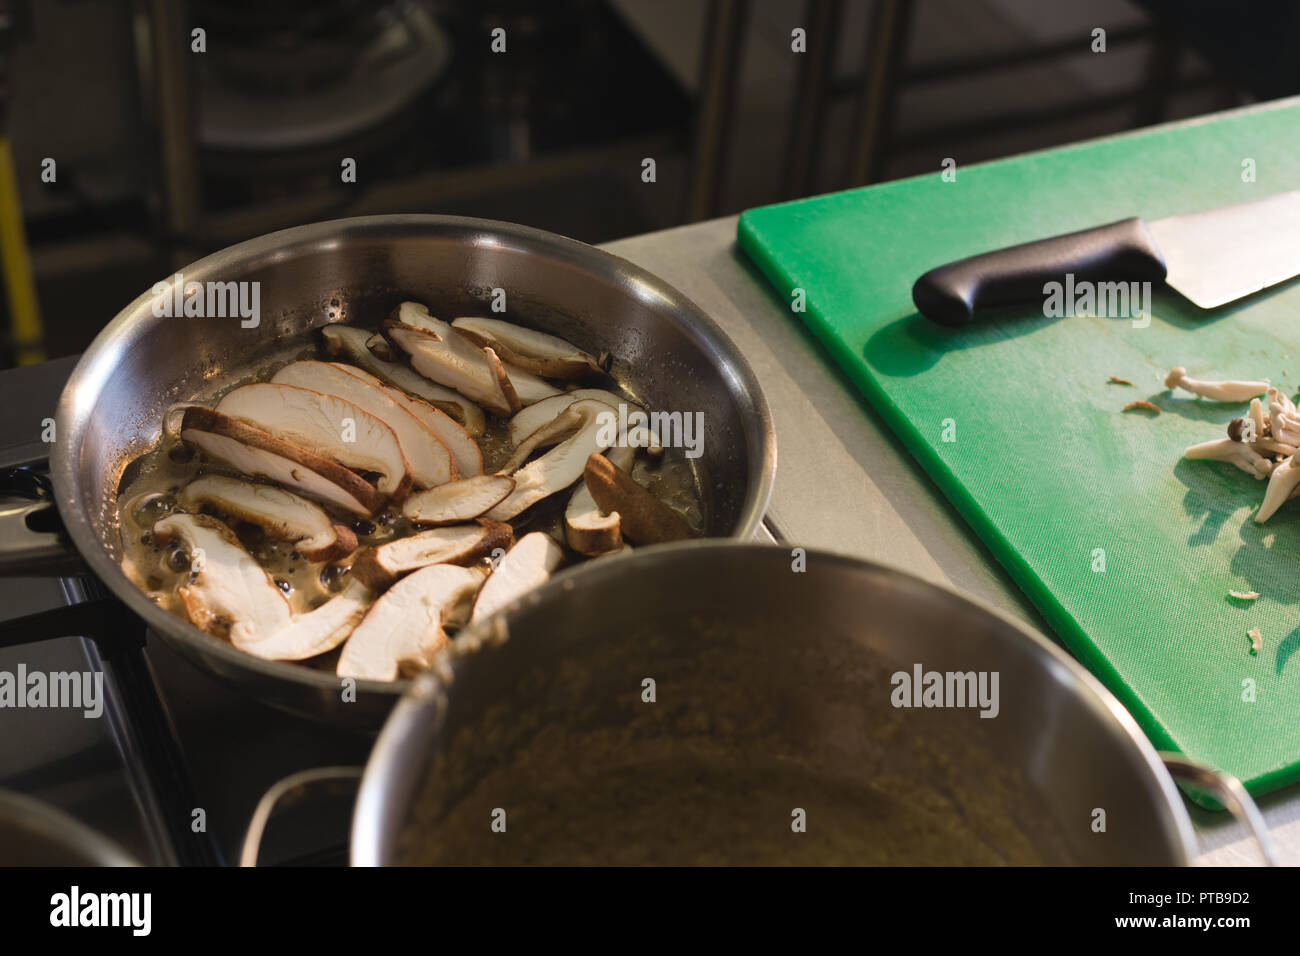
point(16, 267)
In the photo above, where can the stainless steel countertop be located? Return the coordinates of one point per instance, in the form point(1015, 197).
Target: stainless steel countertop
point(844, 483)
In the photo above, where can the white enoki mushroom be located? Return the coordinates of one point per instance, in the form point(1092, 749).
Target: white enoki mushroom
point(1279, 402)
point(1238, 453)
point(1257, 415)
point(1281, 484)
point(1276, 433)
point(1273, 446)
point(1285, 427)
point(1230, 391)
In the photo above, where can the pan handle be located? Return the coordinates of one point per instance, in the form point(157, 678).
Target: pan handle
point(1230, 792)
point(32, 540)
point(292, 787)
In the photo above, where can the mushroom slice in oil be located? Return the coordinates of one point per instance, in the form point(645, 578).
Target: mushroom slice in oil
point(457, 501)
point(407, 626)
point(454, 544)
point(281, 514)
point(527, 565)
point(579, 430)
point(332, 427)
point(441, 353)
point(259, 454)
point(644, 519)
point(528, 349)
point(427, 457)
point(348, 342)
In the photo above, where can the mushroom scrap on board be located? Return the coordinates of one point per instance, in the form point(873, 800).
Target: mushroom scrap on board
point(374, 497)
point(1262, 443)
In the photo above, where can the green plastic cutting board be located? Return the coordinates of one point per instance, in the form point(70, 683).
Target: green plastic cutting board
point(1045, 466)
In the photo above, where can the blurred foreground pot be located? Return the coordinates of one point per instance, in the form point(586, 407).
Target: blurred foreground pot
point(705, 703)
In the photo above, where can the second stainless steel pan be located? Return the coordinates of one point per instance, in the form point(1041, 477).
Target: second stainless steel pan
point(710, 702)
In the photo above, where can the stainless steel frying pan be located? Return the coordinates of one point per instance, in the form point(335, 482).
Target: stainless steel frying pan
point(355, 270)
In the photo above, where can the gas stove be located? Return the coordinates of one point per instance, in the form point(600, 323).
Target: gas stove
point(168, 762)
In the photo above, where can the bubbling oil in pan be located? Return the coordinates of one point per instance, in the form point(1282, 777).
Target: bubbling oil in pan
point(150, 485)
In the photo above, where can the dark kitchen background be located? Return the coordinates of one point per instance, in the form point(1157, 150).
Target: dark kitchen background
point(163, 154)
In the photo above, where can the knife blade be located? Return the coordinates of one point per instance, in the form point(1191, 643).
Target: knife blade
point(1211, 258)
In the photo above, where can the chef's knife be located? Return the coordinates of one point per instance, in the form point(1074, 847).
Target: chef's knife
point(1210, 257)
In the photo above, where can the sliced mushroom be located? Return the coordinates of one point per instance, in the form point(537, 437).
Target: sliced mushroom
point(230, 592)
point(407, 626)
point(644, 519)
point(527, 565)
point(528, 388)
point(527, 421)
point(529, 349)
point(429, 460)
point(1237, 453)
point(588, 529)
point(503, 380)
point(464, 449)
point(558, 468)
point(381, 348)
point(253, 452)
point(349, 342)
point(1282, 483)
point(555, 431)
point(443, 354)
point(282, 514)
point(458, 501)
point(1215, 391)
point(454, 544)
point(418, 316)
point(466, 369)
point(227, 588)
point(321, 422)
point(315, 632)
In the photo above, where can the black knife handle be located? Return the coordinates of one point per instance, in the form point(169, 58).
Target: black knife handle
point(1118, 252)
